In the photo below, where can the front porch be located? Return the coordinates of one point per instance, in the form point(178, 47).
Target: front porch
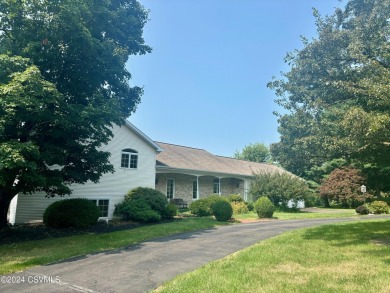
point(191, 187)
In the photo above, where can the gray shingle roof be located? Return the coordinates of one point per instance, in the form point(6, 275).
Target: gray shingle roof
point(187, 158)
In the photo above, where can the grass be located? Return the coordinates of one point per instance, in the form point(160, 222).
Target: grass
point(20, 256)
point(325, 213)
point(352, 257)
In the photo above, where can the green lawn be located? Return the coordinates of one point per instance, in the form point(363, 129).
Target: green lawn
point(324, 213)
point(351, 257)
point(20, 256)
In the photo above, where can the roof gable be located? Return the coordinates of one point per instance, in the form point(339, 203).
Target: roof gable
point(143, 136)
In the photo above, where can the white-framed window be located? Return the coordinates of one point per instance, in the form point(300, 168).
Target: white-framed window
point(103, 205)
point(216, 185)
point(195, 189)
point(170, 188)
point(129, 159)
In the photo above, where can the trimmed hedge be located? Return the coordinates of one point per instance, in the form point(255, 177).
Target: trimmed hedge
point(154, 198)
point(362, 210)
point(222, 210)
point(143, 204)
point(170, 211)
point(202, 207)
point(264, 207)
point(73, 212)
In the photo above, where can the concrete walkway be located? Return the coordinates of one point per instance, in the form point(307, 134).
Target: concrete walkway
point(143, 267)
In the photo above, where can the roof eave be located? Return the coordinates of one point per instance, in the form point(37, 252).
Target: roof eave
point(143, 136)
point(199, 172)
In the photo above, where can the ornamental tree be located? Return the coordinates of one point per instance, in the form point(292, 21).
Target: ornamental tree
point(343, 186)
point(63, 84)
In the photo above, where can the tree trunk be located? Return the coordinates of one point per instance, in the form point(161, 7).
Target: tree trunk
point(326, 201)
point(5, 200)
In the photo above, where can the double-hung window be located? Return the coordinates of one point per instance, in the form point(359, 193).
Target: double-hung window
point(170, 188)
point(216, 185)
point(129, 159)
point(103, 206)
point(195, 189)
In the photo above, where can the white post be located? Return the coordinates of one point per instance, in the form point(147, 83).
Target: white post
point(219, 181)
point(197, 187)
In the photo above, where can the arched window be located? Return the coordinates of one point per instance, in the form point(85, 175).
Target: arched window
point(129, 159)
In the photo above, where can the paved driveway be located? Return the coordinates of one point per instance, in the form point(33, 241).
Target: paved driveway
point(143, 267)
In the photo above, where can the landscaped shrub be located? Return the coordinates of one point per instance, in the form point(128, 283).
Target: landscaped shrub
point(379, 207)
point(222, 210)
point(239, 208)
point(264, 207)
point(147, 216)
point(202, 207)
point(250, 206)
point(74, 212)
point(127, 209)
point(214, 198)
point(362, 210)
point(170, 211)
point(143, 204)
point(235, 198)
point(154, 198)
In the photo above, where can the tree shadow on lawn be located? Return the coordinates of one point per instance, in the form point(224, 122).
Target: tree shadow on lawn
point(356, 233)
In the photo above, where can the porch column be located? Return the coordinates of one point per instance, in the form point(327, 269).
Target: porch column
point(220, 187)
point(246, 189)
point(197, 187)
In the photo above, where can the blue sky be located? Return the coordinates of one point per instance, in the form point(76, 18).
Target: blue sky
point(205, 81)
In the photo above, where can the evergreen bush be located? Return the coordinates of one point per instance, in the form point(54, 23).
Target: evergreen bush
point(154, 198)
point(202, 207)
point(74, 212)
point(264, 207)
point(143, 204)
point(362, 210)
point(170, 211)
point(146, 216)
point(222, 210)
point(127, 209)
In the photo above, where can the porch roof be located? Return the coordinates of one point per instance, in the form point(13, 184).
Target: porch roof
point(187, 158)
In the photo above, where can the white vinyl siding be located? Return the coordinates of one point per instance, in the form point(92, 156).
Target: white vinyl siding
point(30, 207)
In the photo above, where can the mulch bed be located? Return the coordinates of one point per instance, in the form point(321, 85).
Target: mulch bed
point(28, 232)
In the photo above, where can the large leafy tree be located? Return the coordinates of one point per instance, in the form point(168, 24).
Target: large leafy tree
point(63, 84)
point(257, 152)
point(337, 92)
point(279, 188)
